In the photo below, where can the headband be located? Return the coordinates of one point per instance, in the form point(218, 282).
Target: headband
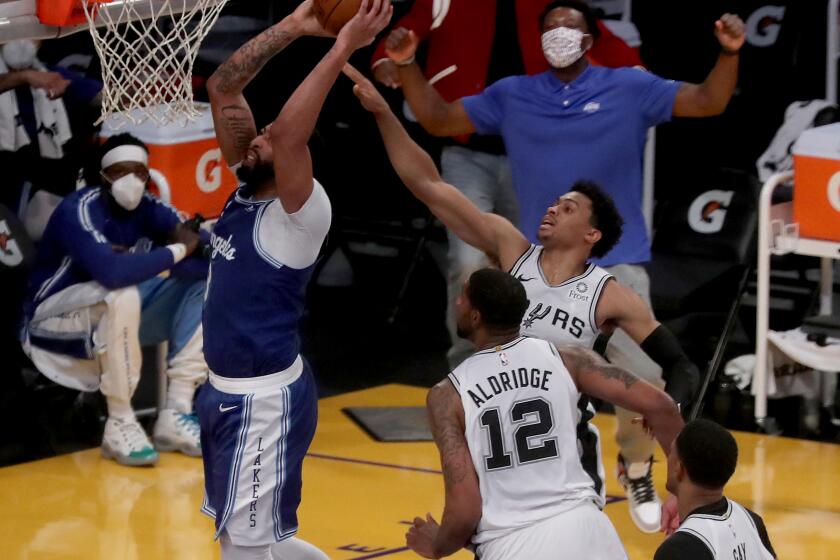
point(126, 152)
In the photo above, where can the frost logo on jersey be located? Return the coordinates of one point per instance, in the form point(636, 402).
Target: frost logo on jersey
point(708, 211)
point(536, 314)
point(578, 292)
point(222, 246)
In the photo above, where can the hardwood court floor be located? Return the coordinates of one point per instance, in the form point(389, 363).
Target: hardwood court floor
point(358, 494)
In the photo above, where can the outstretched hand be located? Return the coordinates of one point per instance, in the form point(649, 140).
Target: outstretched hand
point(421, 536)
point(367, 93)
point(670, 516)
point(401, 45)
point(308, 24)
point(373, 16)
point(730, 32)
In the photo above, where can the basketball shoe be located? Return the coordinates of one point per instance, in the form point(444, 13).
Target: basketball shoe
point(645, 507)
point(177, 431)
point(126, 443)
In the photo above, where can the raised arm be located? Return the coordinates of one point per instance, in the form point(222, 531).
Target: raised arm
point(598, 378)
point(488, 232)
point(622, 307)
point(433, 113)
point(712, 96)
point(294, 125)
point(419, 19)
point(232, 116)
point(462, 509)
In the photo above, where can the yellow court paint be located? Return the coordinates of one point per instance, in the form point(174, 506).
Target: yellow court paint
point(358, 493)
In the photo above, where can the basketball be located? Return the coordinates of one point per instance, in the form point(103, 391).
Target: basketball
point(333, 14)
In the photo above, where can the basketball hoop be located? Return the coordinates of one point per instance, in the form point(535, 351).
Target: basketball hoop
point(147, 49)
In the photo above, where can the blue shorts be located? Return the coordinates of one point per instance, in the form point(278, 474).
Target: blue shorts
point(253, 440)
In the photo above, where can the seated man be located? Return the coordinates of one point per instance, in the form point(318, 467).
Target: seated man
point(96, 294)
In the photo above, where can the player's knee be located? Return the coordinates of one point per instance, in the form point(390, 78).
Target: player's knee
point(124, 302)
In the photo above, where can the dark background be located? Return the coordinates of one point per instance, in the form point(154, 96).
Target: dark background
point(363, 334)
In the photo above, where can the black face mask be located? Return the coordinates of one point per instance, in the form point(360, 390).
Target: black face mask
point(256, 175)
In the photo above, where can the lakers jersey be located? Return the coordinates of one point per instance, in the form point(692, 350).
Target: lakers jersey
point(562, 313)
point(732, 534)
point(261, 261)
point(520, 409)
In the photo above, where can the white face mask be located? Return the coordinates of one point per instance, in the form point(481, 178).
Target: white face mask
point(128, 191)
point(20, 54)
point(562, 46)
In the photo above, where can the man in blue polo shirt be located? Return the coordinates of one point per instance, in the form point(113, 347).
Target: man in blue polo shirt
point(579, 122)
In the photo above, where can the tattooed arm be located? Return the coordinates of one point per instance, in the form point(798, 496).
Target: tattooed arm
point(462, 509)
point(232, 116)
point(596, 377)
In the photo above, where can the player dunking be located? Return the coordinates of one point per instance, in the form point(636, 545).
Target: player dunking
point(259, 410)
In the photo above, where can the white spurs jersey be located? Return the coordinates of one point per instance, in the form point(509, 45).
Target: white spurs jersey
point(563, 313)
point(520, 409)
point(733, 534)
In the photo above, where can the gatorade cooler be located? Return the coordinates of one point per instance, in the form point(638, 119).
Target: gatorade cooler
point(185, 162)
point(816, 191)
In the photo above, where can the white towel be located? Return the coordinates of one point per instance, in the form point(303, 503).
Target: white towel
point(50, 117)
point(799, 116)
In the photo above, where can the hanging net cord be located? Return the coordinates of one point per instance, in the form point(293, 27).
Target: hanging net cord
point(147, 49)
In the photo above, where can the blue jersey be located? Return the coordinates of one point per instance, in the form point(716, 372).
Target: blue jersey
point(86, 239)
point(261, 261)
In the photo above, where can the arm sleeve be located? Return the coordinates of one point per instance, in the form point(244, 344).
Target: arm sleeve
point(681, 376)
point(419, 19)
point(682, 546)
point(295, 240)
point(762, 532)
point(655, 96)
point(82, 90)
point(161, 217)
point(486, 110)
point(113, 270)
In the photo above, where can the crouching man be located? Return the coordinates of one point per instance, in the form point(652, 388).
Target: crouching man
point(97, 293)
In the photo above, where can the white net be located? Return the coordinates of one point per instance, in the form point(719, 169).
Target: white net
point(147, 49)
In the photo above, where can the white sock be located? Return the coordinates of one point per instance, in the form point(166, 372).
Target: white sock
point(231, 551)
point(296, 549)
point(120, 409)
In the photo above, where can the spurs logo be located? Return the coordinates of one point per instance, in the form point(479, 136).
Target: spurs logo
point(536, 314)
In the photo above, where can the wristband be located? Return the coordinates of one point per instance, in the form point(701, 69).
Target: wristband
point(728, 52)
point(178, 250)
point(407, 62)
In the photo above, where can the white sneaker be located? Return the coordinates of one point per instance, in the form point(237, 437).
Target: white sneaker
point(126, 443)
point(177, 431)
point(645, 507)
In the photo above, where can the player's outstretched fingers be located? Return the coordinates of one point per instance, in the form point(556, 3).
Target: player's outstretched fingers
point(350, 71)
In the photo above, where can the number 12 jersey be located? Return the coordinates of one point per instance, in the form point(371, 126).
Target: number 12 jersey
point(520, 410)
